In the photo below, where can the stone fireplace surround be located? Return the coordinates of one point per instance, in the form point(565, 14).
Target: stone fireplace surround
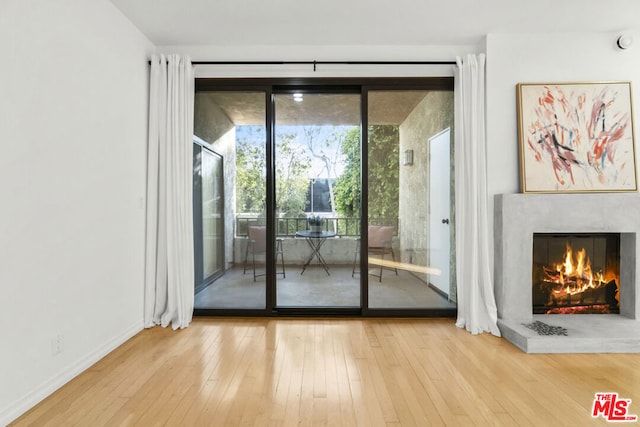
point(516, 218)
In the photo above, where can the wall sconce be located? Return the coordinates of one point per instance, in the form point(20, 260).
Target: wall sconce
point(408, 158)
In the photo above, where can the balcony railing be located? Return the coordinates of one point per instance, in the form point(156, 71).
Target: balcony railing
point(287, 227)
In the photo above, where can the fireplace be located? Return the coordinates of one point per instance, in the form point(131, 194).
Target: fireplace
point(576, 273)
point(599, 223)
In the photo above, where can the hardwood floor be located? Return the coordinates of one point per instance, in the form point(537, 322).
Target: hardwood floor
point(367, 372)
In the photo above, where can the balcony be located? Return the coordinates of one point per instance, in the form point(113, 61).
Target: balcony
point(337, 250)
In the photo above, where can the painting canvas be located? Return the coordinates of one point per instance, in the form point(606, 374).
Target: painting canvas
point(576, 137)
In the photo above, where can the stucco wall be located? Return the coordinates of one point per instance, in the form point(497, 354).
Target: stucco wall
point(432, 115)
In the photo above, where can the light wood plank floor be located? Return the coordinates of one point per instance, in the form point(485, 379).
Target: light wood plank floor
point(367, 372)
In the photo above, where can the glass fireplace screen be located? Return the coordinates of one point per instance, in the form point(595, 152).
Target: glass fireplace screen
point(576, 273)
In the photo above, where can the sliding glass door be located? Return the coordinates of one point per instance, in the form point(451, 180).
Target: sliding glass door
point(410, 215)
point(208, 215)
point(233, 124)
point(316, 200)
point(337, 197)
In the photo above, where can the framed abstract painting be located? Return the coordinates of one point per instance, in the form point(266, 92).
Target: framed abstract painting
point(576, 137)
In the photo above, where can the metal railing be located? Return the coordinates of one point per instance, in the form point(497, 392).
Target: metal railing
point(287, 227)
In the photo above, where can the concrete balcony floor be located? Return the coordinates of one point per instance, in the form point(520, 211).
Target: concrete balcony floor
point(314, 288)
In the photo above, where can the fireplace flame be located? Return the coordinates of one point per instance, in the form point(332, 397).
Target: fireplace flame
point(574, 275)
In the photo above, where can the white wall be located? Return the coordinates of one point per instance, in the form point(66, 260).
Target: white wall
point(519, 58)
point(73, 127)
point(322, 53)
point(289, 52)
point(73, 101)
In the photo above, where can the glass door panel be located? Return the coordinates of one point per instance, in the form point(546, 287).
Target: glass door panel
point(212, 214)
point(317, 212)
point(410, 226)
point(234, 125)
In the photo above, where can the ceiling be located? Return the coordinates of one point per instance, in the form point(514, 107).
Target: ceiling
point(247, 108)
point(367, 22)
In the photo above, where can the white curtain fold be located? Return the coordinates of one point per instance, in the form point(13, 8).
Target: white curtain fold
point(169, 269)
point(475, 294)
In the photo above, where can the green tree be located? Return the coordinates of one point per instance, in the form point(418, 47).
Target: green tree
point(251, 171)
point(292, 176)
point(383, 173)
point(324, 144)
point(292, 166)
point(347, 188)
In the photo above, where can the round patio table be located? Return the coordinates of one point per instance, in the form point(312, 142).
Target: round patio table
point(315, 240)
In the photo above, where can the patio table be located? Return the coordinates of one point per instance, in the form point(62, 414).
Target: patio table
point(315, 241)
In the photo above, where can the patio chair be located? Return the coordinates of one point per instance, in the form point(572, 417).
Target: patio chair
point(379, 243)
point(257, 245)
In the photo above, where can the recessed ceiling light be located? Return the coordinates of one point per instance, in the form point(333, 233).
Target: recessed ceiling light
point(297, 97)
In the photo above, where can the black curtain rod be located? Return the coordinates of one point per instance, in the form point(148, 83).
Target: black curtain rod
point(323, 62)
point(315, 63)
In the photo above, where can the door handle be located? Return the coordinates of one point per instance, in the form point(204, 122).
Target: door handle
point(445, 221)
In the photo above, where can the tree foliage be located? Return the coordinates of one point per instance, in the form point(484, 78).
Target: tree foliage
point(347, 188)
point(251, 169)
point(383, 173)
point(292, 165)
point(325, 144)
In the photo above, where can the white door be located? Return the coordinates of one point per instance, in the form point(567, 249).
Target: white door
point(439, 208)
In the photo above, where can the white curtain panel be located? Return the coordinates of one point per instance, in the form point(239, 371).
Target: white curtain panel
point(169, 270)
point(476, 301)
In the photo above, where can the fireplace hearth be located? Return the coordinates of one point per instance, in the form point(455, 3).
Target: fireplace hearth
point(603, 317)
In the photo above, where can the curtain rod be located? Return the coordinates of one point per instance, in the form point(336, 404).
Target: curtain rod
point(323, 62)
point(315, 63)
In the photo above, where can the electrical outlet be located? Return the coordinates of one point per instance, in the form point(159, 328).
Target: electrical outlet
point(57, 344)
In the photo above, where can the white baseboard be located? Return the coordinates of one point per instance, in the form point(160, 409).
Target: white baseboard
point(22, 405)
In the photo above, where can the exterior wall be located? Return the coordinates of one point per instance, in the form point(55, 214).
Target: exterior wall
point(213, 126)
point(432, 115)
point(210, 122)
